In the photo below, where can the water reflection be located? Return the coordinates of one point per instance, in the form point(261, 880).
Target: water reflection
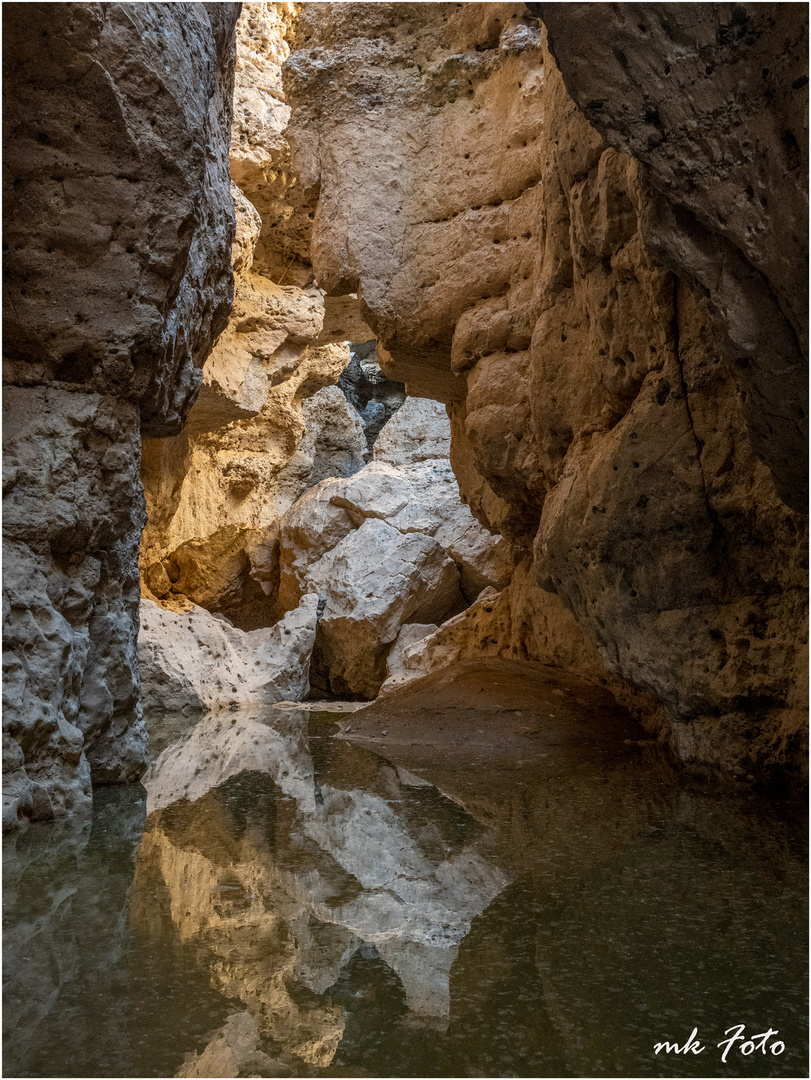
point(283, 903)
point(298, 868)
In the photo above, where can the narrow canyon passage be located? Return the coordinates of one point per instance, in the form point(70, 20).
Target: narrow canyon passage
point(405, 539)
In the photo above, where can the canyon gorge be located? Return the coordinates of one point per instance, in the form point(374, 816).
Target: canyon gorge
point(598, 271)
point(405, 536)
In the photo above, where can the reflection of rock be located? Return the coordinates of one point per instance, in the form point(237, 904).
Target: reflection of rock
point(192, 660)
point(77, 986)
point(280, 869)
point(221, 746)
point(233, 1051)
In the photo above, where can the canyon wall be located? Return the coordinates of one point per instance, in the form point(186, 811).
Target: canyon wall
point(713, 100)
point(269, 495)
point(118, 228)
point(617, 404)
point(259, 432)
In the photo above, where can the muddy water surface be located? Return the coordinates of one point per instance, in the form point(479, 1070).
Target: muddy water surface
point(504, 899)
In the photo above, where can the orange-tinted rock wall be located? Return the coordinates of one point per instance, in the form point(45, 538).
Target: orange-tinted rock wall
point(511, 263)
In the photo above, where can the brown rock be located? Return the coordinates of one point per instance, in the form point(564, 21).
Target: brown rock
point(260, 432)
point(521, 270)
point(714, 100)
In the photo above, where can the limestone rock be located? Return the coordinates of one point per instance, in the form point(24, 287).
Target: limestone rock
point(261, 431)
point(522, 271)
point(72, 512)
point(728, 214)
point(374, 580)
point(334, 442)
point(419, 432)
point(409, 635)
point(119, 224)
point(260, 156)
point(191, 660)
point(375, 397)
point(119, 216)
point(311, 528)
point(410, 487)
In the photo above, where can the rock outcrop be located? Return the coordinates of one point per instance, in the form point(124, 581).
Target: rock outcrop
point(375, 397)
point(192, 661)
point(118, 225)
point(714, 101)
point(262, 430)
point(391, 545)
point(516, 266)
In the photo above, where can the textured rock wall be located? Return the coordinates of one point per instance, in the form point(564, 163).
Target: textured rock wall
point(512, 264)
point(118, 224)
point(191, 660)
point(713, 99)
point(259, 433)
point(384, 549)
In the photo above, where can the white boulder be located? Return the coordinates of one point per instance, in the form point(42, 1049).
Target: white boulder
point(193, 660)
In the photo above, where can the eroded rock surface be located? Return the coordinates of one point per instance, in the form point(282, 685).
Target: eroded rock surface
point(714, 101)
point(267, 423)
point(192, 660)
point(375, 397)
point(118, 223)
point(515, 265)
point(391, 545)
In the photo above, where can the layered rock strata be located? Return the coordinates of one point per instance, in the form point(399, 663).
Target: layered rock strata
point(118, 226)
point(516, 266)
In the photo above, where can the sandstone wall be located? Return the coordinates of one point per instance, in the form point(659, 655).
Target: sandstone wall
point(118, 227)
point(512, 265)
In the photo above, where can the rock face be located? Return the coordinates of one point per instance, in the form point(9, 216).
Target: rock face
point(192, 661)
point(389, 546)
point(518, 267)
point(267, 423)
point(375, 397)
point(118, 224)
point(714, 101)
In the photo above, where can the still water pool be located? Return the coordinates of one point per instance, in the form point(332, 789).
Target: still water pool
point(274, 901)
